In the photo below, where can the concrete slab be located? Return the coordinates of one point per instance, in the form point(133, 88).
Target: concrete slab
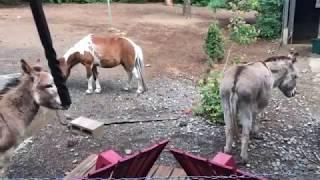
point(314, 63)
point(92, 126)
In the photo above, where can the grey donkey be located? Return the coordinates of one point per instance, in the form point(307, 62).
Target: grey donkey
point(245, 91)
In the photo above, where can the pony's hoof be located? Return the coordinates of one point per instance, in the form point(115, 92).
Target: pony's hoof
point(97, 91)
point(89, 91)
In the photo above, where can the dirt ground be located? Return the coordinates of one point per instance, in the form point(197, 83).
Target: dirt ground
point(172, 47)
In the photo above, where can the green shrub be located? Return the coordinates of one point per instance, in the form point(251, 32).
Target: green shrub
point(215, 4)
point(214, 44)
point(242, 5)
point(210, 103)
point(269, 18)
point(241, 32)
point(200, 2)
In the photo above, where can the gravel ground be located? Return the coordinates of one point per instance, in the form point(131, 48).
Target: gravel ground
point(289, 127)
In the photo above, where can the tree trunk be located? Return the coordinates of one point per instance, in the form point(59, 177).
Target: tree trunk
point(186, 8)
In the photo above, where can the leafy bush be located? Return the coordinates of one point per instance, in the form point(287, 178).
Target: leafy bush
point(214, 44)
point(241, 32)
point(210, 102)
point(269, 18)
point(215, 4)
point(242, 5)
point(131, 1)
point(200, 2)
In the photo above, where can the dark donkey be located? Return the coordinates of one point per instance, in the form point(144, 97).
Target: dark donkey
point(245, 91)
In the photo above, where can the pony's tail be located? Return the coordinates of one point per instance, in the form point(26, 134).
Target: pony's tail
point(233, 102)
point(139, 64)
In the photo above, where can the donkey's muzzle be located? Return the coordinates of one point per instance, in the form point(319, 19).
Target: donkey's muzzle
point(291, 93)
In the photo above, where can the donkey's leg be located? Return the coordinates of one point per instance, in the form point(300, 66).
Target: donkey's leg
point(228, 124)
point(95, 77)
point(245, 113)
point(90, 79)
point(255, 126)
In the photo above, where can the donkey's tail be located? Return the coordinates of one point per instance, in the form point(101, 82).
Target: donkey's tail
point(139, 64)
point(233, 102)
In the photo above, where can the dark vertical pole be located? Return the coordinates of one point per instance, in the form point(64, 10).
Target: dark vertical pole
point(53, 63)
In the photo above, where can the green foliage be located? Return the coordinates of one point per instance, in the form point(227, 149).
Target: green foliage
point(74, 1)
point(131, 1)
point(215, 4)
point(210, 102)
point(242, 5)
point(200, 2)
point(241, 32)
point(236, 60)
point(214, 44)
point(269, 18)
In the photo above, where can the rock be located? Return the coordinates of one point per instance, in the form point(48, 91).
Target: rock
point(183, 124)
point(71, 142)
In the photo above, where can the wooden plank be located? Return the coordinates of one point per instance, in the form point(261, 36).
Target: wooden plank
point(163, 171)
point(83, 168)
point(292, 8)
point(285, 15)
point(178, 172)
point(92, 126)
point(153, 170)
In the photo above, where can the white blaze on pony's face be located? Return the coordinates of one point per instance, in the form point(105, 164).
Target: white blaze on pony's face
point(44, 91)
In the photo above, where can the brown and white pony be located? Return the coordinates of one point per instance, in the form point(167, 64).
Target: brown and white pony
point(107, 52)
point(19, 103)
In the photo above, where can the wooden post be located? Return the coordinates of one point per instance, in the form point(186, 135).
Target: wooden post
point(186, 11)
point(292, 9)
point(285, 14)
point(109, 12)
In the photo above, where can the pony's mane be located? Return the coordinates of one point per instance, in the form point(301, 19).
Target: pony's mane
point(277, 58)
point(14, 82)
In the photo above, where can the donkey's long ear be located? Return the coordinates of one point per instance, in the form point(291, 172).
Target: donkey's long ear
point(25, 67)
